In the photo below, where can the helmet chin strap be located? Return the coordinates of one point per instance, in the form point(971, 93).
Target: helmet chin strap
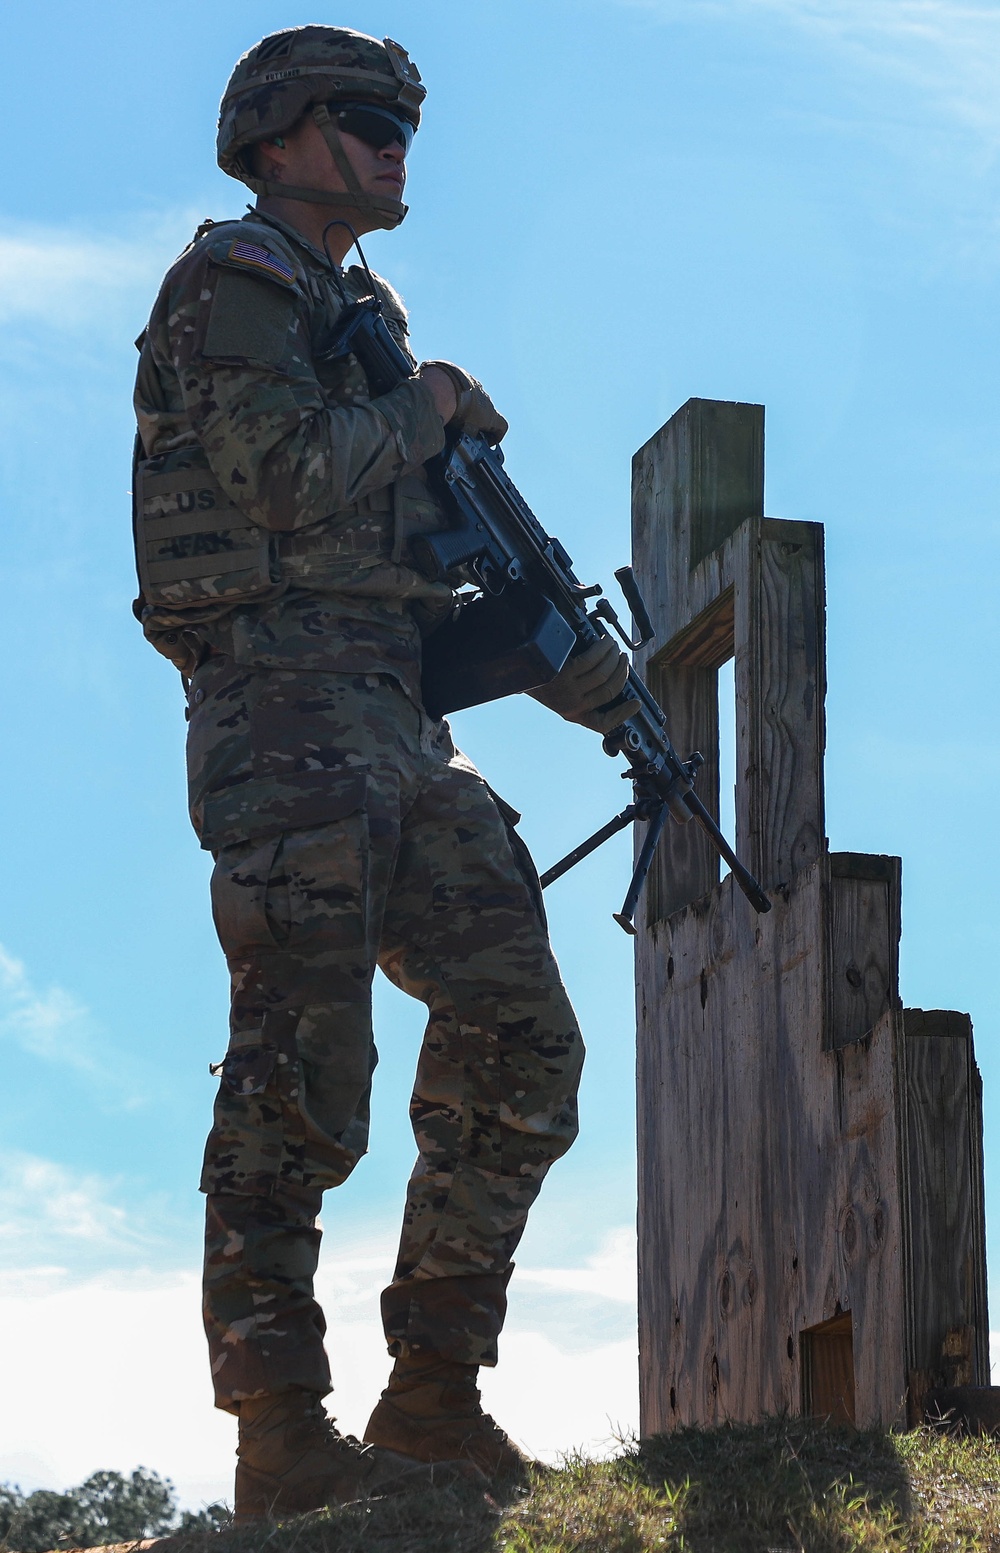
point(381, 209)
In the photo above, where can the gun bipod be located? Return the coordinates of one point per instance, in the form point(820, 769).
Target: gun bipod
point(645, 806)
point(654, 808)
point(643, 862)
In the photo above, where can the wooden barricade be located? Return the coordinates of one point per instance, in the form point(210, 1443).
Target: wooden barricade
point(811, 1227)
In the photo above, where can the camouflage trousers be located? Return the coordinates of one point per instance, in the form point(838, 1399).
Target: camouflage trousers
point(392, 852)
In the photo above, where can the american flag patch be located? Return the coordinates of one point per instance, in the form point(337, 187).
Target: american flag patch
point(260, 259)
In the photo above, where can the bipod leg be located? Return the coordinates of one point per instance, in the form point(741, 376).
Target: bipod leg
point(649, 842)
point(744, 878)
point(590, 845)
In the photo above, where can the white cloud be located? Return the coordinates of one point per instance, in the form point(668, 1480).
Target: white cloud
point(49, 1023)
point(51, 1213)
point(65, 278)
point(950, 51)
point(54, 1026)
point(59, 276)
point(610, 1273)
point(111, 1373)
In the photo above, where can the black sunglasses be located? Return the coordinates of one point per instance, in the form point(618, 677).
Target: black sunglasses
point(375, 126)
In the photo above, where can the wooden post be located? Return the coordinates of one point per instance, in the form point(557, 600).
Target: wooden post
point(945, 1241)
point(810, 1206)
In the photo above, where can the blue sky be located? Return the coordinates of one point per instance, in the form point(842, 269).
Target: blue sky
point(616, 205)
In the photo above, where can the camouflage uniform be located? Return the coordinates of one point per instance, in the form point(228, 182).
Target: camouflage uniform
point(347, 830)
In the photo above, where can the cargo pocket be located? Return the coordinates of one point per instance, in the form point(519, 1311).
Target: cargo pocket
point(246, 1145)
point(246, 1071)
point(258, 1140)
point(290, 910)
point(249, 897)
point(325, 884)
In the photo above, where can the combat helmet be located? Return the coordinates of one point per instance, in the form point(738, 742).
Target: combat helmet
point(289, 72)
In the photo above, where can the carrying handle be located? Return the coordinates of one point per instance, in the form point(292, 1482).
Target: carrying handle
point(625, 577)
point(640, 614)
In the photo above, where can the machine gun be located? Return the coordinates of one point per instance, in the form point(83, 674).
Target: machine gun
point(526, 611)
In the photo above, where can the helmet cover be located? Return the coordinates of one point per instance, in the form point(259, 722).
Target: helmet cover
point(286, 73)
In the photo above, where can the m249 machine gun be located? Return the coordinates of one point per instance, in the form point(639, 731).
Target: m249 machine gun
point(525, 613)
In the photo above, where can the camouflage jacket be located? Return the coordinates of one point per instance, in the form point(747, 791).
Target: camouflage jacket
point(234, 395)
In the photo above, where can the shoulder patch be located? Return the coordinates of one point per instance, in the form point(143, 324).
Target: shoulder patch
point(249, 319)
point(260, 261)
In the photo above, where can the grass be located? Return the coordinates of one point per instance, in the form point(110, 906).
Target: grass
point(786, 1486)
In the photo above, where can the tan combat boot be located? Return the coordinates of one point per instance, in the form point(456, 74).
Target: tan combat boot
point(292, 1458)
point(431, 1411)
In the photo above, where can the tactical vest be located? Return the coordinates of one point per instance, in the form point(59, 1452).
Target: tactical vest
point(198, 554)
point(195, 548)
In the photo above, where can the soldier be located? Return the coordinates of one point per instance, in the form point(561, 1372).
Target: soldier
point(275, 498)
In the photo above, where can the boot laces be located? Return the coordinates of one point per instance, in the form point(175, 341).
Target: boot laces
point(326, 1427)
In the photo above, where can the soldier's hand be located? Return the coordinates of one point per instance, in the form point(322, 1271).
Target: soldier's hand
point(474, 409)
point(442, 389)
point(586, 681)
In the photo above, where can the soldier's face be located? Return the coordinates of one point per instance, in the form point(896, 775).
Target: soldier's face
point(306, 159)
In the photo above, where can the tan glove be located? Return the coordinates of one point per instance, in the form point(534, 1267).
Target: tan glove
point(475, 410)
point(586, 681)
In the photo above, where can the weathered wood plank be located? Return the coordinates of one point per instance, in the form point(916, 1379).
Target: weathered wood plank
point(943, 1023)
point(760, 595)
point(979, 1313)
point(863, 926)
point(722, 481)
point(704, 475)
point(780, 693)
point(693, 485)
point(768, 1180)
point(800, 1158)
point(686, 864)
point(948, 1331)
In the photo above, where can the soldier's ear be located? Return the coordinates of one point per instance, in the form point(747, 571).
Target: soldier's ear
point(259, 156)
